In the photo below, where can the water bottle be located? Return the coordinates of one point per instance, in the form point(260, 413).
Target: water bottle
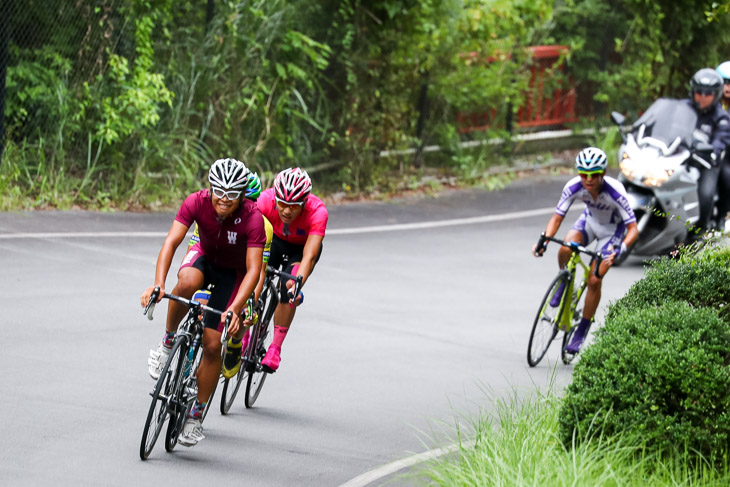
point(191, 357)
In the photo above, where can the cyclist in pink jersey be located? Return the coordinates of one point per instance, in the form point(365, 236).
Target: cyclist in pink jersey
point(299, 219)
point(228, 255)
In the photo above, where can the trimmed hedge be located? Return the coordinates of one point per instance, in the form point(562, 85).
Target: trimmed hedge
point(701, 279)
point(659, 369)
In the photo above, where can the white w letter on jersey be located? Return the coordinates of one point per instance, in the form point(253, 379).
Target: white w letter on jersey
point(232, 237)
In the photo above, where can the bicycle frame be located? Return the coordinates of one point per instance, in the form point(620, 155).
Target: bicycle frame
point(569, 298)
point(567, 315)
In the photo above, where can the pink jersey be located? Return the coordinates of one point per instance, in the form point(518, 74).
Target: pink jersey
point(311, 221)
point(224, 243)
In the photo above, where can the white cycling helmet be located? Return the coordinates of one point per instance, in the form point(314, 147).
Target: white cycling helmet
point(228, 174)
point(591, 159)
point(292, 185)
point(724, 70)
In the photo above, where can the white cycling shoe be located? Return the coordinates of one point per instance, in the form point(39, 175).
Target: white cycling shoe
point(157, 360)
point(192, 432)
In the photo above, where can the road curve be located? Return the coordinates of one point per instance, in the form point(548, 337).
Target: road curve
point(405, 331)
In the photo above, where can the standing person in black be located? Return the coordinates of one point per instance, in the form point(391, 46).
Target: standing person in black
point(704, 96)
point(724, 181)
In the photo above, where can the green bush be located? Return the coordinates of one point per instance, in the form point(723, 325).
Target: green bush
point(659, 374)
point(701, 279)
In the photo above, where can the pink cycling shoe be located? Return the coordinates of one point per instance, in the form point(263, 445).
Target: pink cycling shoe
point(272, 359)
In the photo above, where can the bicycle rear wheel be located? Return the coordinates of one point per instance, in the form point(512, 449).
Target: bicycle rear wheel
point(546, 322)
point(161, 397)
point(260, 341)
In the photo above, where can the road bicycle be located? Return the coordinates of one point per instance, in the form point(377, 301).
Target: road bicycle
point(261, 335)
point(232, 385)
point(567, 314)
point(177, 388)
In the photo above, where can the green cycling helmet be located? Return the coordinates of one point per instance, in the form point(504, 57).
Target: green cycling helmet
point(254, 186)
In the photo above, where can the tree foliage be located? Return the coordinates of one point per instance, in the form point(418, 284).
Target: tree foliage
point(138, 97)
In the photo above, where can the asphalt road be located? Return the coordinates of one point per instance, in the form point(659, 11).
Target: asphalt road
point(403, 333)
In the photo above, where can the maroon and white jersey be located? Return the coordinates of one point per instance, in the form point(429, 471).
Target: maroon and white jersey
point(224, 242)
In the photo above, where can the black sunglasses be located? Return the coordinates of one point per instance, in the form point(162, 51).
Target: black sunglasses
point(705, 92)
point(726, 81)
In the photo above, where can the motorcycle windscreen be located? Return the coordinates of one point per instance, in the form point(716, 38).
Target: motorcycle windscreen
point(668, 118)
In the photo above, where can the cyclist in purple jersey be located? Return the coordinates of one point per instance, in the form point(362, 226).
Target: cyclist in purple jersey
point(607, 218)
point(228, 255)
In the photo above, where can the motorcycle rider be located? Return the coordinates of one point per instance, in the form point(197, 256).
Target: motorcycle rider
point(724, 179)
point(724, 71)
point(706, 87)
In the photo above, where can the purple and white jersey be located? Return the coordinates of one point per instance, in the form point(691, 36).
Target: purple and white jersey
point(609, 209)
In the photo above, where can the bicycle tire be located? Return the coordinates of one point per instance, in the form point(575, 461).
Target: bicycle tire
point(545, 326)
point(577, 308)
point(160, 400)
point(263, 335)
point(182, 401)
point(231, 386)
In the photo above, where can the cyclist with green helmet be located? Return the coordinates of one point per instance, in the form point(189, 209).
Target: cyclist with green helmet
point(237, 343)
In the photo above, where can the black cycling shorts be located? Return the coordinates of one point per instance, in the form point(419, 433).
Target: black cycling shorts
point(287, 255)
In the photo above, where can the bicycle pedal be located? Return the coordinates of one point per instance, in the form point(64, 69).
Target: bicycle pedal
point(268, 370)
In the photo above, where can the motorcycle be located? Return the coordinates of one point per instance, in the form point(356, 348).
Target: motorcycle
point(659, 161)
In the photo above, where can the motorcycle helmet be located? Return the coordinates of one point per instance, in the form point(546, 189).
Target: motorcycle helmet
point(591, 160)
point(706, 80)
point(292, 186)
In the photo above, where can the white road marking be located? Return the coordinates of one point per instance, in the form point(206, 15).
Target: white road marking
point(9, 236)
point(393, 467)
point(443, 223)
point(334, 231)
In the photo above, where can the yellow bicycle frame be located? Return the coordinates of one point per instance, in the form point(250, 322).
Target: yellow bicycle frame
point(566, 318)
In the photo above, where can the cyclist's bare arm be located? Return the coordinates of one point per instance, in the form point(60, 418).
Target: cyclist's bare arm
point(309, 254)
point(550, 231)
point(173, 240)
point(632, 233)
point(254, 257)
point(260, 283)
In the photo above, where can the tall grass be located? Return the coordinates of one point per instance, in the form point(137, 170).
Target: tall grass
point(518, 445)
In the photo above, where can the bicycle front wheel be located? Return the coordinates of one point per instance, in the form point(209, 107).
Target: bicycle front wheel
point(162, 396)
point(230, 389)
point(183, 398)
point(546, 322)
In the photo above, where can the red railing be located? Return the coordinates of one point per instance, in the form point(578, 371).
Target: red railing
point(540, 108)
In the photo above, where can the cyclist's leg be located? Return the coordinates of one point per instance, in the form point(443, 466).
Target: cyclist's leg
point(606, 243)
point(577, 233)
point(210, 366)
point(706, 189)
point(190, 277)
point(284, 313)
point(189, 280)
point(723, 193)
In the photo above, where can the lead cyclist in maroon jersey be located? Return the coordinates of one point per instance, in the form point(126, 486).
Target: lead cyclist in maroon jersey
point(228, 255)
point(299, 220)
